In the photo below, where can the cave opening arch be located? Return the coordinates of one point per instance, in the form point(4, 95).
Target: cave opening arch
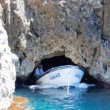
point(56, 61)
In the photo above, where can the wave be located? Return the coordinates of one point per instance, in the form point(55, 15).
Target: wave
point(80, 85)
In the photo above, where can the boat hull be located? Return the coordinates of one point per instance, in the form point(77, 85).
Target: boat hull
point(62, 76)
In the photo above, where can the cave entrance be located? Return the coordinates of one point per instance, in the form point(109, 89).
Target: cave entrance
point(56, 61)
point(60, 61)
point(49, 63)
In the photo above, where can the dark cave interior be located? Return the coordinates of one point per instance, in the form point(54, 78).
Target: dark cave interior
point(56, 61)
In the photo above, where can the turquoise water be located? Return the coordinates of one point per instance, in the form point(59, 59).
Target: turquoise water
point(66, 98)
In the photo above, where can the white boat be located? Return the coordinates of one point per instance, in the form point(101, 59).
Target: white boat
point(67, 75)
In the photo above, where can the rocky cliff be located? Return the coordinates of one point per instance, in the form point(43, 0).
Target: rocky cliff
point(40, 29)
point(77, 29)
point(7, 70)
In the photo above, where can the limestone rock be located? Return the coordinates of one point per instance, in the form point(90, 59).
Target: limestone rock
point(106, 27)
point(7, 70)
point(26, 67)
point(39, 29)
point(78, 29)
point(68, 27)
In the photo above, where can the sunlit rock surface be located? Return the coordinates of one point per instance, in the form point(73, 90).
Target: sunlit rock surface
point(78, 29)
point(7, 70)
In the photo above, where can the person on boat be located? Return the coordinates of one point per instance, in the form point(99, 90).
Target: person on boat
point(38, 71)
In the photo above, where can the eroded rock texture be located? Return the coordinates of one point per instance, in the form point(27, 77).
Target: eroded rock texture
point(78, 29)
point(7, 70)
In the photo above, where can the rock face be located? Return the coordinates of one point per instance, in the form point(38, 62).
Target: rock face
point(7, 70)
point(39, 29)
point(106, 26)
point(78, 29)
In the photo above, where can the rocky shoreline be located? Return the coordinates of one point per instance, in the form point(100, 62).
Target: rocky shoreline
point(16, 102)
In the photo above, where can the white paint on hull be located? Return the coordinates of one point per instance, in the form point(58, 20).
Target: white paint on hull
point(62, 76)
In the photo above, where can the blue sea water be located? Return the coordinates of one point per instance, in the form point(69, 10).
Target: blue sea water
point(64, 98)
